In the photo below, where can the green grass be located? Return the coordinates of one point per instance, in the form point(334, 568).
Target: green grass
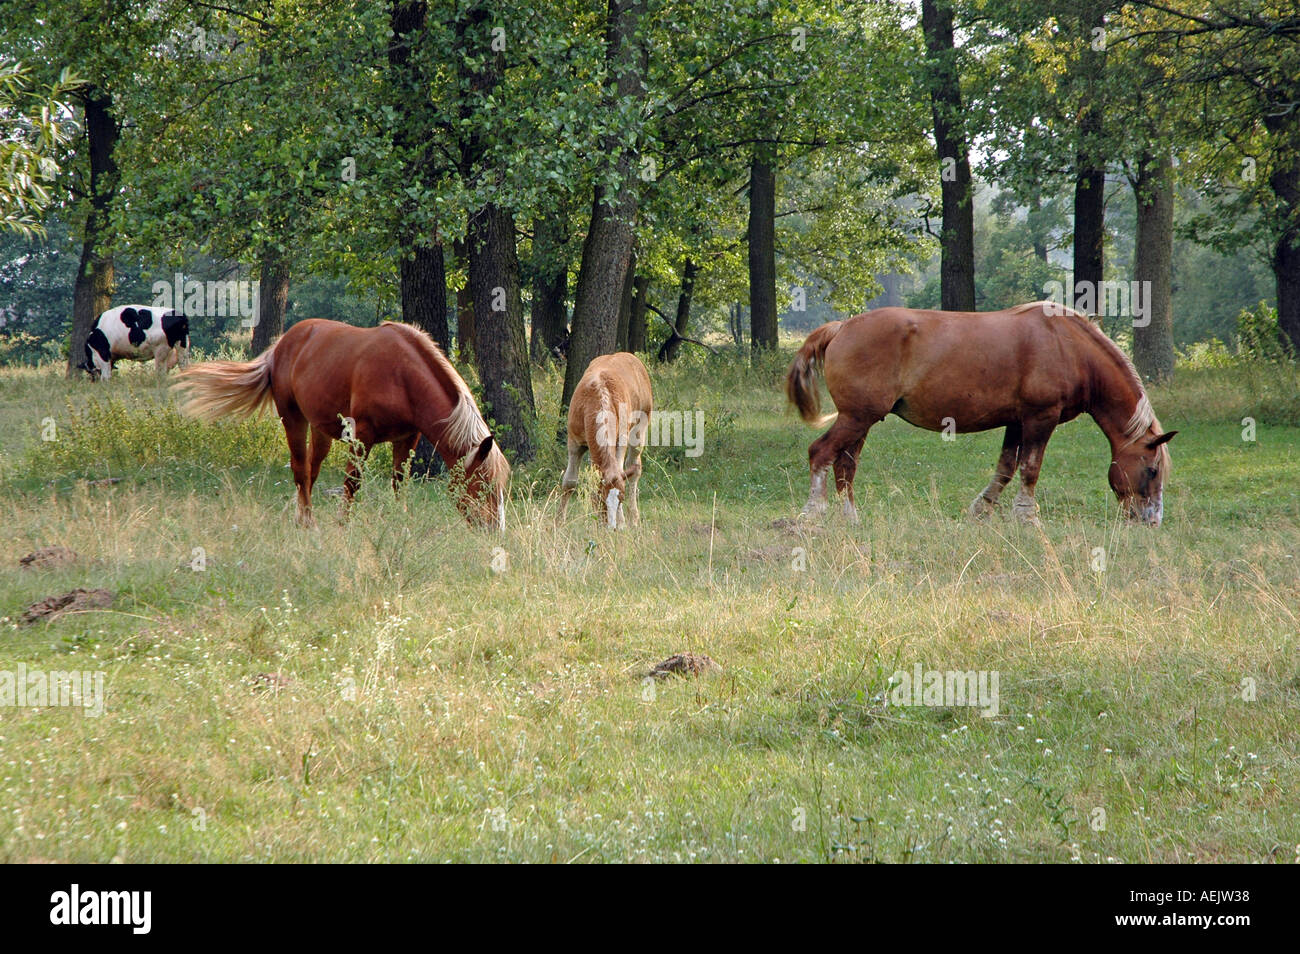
point(435, 709)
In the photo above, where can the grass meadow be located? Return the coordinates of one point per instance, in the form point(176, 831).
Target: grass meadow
point(402, 688)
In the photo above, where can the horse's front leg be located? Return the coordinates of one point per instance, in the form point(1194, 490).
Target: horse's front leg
point(352, 481)
point(361, 442)
point(1033, 444)
point(402, 460)
point(987, 500)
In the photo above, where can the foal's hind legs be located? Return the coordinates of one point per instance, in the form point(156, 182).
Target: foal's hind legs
point(571, 473)
point(633, 475)
point(987, 500)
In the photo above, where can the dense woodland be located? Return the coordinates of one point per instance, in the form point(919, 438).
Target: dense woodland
point(526, 181)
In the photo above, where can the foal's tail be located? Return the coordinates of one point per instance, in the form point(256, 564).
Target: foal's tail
point(801, 379)
point(216, 389)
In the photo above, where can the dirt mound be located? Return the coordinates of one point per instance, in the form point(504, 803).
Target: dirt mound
point(796, 527)
point(48, 558)
point(71, 602)
point(685, 664)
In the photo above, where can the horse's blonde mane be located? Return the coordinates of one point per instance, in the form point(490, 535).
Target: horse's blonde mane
point(466, 429)
point(1143, 418)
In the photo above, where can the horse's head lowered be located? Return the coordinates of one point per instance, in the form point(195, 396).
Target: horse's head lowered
point(1137, 475)
point(483, 497)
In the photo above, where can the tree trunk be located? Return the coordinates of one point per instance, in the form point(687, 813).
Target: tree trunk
point(1089, 229)
point(1284, 181)
point(1038, 230)
point(1286, 273)
point(1090, 186)
point(500, 345)
point(761, 236)
point(957, 235)
point(273, 299)
point(424, 293)
point(93, 291)
point(625, 304)
point(550, 288)
point(636, 328)
point(608, 248)
point(1153, 333)
point(422, 271)
point(424, 304)
point(669, 349)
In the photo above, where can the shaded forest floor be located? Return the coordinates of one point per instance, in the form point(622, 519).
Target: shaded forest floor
point(402, 687)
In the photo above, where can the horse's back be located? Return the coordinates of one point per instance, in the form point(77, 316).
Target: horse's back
point(610, 380)
point(623, 373)
point(929, 366)
point(327, 368)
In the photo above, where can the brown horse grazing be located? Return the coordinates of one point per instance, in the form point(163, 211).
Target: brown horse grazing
point(1027, 369)
point(609, 413)
point(366, 386)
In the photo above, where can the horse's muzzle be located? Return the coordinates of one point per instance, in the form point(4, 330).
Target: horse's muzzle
point(1149, 511)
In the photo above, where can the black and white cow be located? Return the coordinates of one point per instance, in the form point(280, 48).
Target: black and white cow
point(138, 333)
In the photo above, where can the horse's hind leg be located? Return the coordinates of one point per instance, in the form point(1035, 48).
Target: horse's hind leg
point(320, 448)
point(983, 504)
point(837, 448)
point(570, 479)
point(295, 433)
point(633, 475)
point(846, 468)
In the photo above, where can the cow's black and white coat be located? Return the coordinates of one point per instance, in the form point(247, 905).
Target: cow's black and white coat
point(137, 332)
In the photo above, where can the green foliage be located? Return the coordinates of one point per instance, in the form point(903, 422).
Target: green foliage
point(36, 129)
point(23, 347)
point(117, 436)
point(1259, 338)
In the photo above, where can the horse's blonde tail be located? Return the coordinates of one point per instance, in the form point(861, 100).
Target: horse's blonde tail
point(801, 380)
point(217, 389)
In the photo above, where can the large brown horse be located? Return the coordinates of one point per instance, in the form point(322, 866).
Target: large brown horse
point(366, 386)
point(608, 415)
point(1027, 369)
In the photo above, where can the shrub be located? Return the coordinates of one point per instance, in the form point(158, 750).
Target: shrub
point(117, 435)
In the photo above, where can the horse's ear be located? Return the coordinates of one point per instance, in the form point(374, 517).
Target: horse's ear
point(1164, 438)
point(484, 449)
